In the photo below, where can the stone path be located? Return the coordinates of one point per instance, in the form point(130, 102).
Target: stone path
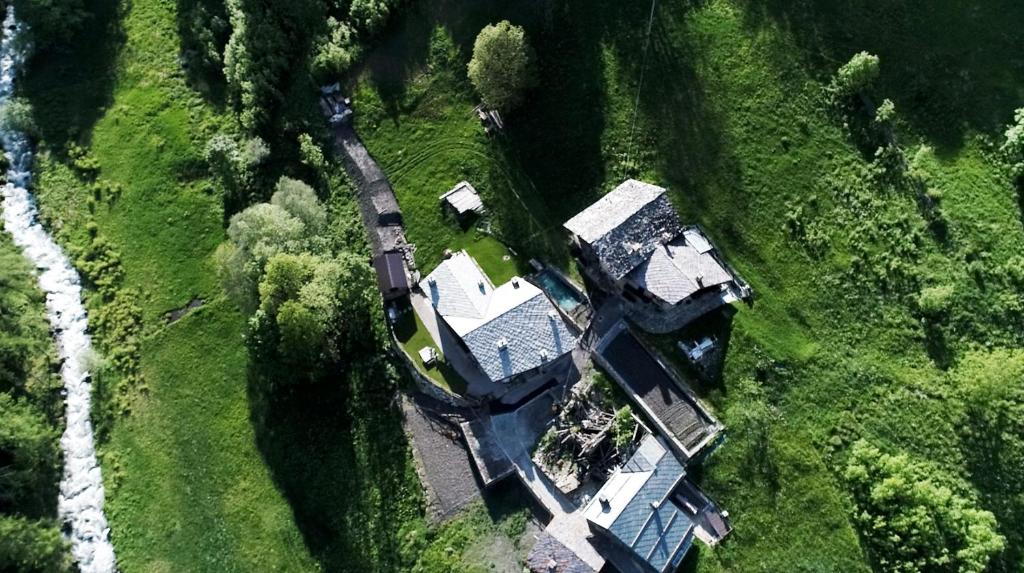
point(442, 460)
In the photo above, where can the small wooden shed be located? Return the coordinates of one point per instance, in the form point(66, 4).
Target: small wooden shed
point(463, 201)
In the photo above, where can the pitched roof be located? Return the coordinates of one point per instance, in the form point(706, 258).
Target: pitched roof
point(636, 505)
point(390, 269)
point(509, 329)
point(464, 198)
point(624, 226)
point(679, 269)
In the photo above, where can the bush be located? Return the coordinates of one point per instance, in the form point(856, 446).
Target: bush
point(16, 115)
point(336, 52)
point(32, 547)
point(857, 75)
point(911, 523)
point(886, 112)
point(51, 21)
point(935, 301)
point(1013, 147)
point(502, 65)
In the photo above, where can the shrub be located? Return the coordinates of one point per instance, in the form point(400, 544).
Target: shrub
point(16, 115)
point(335, 53)
point(502, 65)
point(312, 155)
point(32, 547)
point(1013, 147)
point(911, 523)
point(886, 112)
point(856, 75)
point(935, 301)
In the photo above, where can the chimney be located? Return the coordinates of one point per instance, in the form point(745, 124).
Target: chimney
point(515, 282)
point(605, 504)
point(700, 281)
point(502, 343)
point(481, 285)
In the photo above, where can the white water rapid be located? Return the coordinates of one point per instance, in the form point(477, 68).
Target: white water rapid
point(80, 504)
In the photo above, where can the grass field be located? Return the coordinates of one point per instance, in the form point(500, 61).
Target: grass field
point(733, 118)
point(207, 474)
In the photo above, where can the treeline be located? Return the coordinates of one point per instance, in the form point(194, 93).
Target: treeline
point(30, 415)
point(261, 49)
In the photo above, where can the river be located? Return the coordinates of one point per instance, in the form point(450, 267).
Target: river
point(80, 503)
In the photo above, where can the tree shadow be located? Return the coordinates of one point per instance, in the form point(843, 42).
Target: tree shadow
point(337, 451)
point(70, 84)
point(204, 30)
point(994, 460)
point(944, 64)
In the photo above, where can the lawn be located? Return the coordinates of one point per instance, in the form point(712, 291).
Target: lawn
point(188, 486)
point(733, 118)
point(413, 337)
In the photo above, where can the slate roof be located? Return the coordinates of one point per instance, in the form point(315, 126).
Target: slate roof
point(391, 275)
point(636, 506)
point(626, 225)
point(550, 556)
point(464, 199)
point(509, 329)
point(679, 269)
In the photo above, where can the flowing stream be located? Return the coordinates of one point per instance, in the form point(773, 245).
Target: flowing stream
point(80, 504)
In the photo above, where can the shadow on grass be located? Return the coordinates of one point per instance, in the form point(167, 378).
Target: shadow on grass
point(337, 451)
point(944, 64)
point(70, 84)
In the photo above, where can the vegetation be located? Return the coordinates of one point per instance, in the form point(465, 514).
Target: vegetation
point(913, 523)
point(883, 248)
point(858, 74)
point(502, 65)
point(30, 415)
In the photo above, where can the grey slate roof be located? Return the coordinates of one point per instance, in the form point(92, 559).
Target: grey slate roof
point(550, 556)
point(679, 269)
point(509, 329)
point(626, 225)
point(533, 332)
point(651, 523)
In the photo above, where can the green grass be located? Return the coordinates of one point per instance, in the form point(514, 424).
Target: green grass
point(188, 486)
point(733, 119)
point(413, 337)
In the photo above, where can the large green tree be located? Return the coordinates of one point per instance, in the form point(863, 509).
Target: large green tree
point(29, 458)
point(502, 65)
point(912, 522)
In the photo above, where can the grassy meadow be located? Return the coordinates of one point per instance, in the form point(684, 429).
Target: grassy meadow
point(725, 105)
point(732, 115)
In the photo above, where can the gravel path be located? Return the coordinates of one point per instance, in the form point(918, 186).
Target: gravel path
point(444, 464)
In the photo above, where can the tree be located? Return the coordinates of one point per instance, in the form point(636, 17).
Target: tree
point(857, 75)
point(1013, 147)
point(51, 21)
point(30, 546)
point(236, 165)
point(335, 53)
point(315, 310)
point(300, 200)
point(502, 65)
point(29, 458)
point(911, 522)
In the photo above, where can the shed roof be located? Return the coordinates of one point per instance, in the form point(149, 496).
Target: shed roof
point(464, 199)
point(679, 269)
point(509, 329)
point(636, 506)
point(391, 275)
point(626, 225)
